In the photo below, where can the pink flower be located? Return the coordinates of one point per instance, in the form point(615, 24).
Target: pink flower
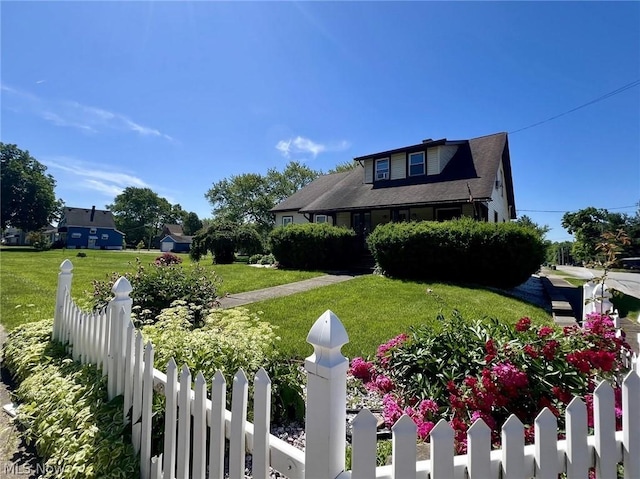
point(384, 384)
point(424, 429)
point(391, 410)
point(428, 406)
point(545, 331)
point(361, 369)
point(523, 325)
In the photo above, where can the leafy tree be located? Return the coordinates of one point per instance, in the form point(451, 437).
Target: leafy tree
point(560, 253)
point(588, 225)
point(140, 213)
point(247, 198)
point(27, 192)
point(191, 224)
point(541, 231)
point(344, 166)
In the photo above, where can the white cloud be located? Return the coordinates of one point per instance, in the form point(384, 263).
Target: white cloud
point(83, 117)
point(301, 146)
point(110, 182)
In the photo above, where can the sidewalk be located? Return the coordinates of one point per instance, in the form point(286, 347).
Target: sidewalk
point(240, 299)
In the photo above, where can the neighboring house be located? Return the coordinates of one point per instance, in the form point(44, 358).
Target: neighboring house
point(173, 239)
point(433, 180)
point(17, 237)
point(89, 228)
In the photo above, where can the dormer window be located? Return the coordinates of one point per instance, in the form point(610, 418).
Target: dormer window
point(416, 164)
point(382, 169)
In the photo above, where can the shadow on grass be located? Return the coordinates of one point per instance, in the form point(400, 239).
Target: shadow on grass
point(626, 304)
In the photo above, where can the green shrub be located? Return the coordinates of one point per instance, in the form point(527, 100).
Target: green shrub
point(64, 409)
point(39, 241)
point(464, 250)
point(157, 287)
point(313, 246)
point(227, 339)
point(223, 239)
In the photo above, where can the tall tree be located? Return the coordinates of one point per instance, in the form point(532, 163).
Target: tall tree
point(247, 198)
point(588, 225)
point(191, 224)
point(139, 213)
point(27, 191)
point(541, 231)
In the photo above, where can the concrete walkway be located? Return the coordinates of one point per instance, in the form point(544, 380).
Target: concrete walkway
point(240, 299)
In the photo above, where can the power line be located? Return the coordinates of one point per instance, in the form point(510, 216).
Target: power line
point(596, 100)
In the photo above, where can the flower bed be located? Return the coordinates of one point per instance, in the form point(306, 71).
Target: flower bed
point(489, 370)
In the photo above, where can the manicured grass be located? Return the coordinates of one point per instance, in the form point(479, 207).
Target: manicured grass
point(374, 309)
point(28, 279)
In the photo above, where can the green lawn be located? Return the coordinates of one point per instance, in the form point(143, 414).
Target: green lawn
point(28, 278)
point(374, 309)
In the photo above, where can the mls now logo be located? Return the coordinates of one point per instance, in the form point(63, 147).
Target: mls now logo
point(27, 470)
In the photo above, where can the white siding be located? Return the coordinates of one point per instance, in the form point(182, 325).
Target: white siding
point(297, 217)
point(398, 166)
point(433, 161)
point(368, 171)
point(499, 199)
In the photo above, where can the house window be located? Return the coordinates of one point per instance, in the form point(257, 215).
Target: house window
point(321, 218)
point(416, 164)
point(287, 220)
point(105, 236)
point(93, 231)
point(382, 169)
point(445, 214)
point(76, 235)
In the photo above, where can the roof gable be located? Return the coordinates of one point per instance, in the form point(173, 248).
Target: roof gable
point(87, 217)
point(470, 172)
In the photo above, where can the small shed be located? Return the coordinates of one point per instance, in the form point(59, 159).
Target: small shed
point(176, 243)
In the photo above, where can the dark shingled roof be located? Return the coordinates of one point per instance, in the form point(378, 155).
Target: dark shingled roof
point(82, 217)
point(179, 239)
point(474, 166)
point(173, 229)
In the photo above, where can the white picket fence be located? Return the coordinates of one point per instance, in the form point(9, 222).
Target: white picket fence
point(110, 341)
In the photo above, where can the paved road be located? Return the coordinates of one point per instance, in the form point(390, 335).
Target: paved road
point(628, 283)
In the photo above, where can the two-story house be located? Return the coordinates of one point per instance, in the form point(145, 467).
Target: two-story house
point(89, 228)
point(433, 180)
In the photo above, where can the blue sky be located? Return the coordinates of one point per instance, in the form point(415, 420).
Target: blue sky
point(178, 95)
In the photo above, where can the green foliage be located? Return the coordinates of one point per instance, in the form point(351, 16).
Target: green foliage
point(560, 253)
point(588, 224)
point(225, 340)
point(139, 213)
point(247, 198)
point(384, 450)
point(64, 409)
point(464, 250)
point(344, 167)
point(223, 239)
point(156, 287)
point(27, 192)
point(313, 246)
point(191, 224)
point(39, 241)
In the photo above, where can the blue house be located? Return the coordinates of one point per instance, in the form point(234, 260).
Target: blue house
point(82, 228)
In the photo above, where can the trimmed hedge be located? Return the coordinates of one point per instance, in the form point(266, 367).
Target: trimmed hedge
point(494, 254)
point(313, 246)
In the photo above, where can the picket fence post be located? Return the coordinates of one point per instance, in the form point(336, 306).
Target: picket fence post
point(120, 314)
point(64, 284)
point(326, 398)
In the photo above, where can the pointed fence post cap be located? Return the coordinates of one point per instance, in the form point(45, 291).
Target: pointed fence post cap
point(66, 266)
point(327, 336)
point(122, 288)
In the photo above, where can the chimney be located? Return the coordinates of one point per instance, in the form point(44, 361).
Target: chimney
point(93, 213)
